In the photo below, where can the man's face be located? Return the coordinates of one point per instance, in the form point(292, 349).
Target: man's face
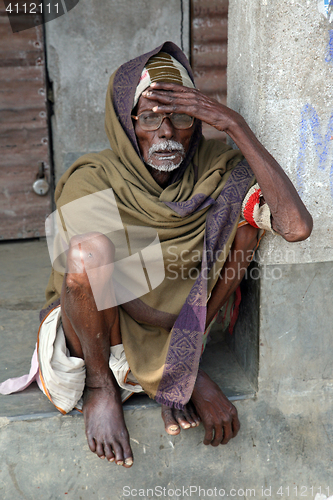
point(155, 150)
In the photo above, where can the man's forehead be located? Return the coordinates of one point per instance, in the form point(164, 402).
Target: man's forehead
point(145, 104)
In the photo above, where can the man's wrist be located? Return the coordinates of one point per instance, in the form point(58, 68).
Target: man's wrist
point(237, 126)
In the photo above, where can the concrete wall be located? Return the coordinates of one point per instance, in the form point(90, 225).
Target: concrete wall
point(280, 74)
point(84, 47)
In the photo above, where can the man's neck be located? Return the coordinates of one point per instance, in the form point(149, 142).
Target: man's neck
point(162, 178)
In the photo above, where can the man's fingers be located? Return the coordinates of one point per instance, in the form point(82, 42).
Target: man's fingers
point(208, 434)
point(218, 435)
point(228, 434)
point(167, 94)
point(235, 425)
point(189, 100)
point(169, 86)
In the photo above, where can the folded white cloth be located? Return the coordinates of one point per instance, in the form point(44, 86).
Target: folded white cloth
point(63, 376)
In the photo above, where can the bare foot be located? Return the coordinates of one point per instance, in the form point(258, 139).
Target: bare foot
point(176, 419)
point(218, 415)
point(106, 431)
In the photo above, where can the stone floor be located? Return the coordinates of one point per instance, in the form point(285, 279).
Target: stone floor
point(24, 272)
point(284, 448)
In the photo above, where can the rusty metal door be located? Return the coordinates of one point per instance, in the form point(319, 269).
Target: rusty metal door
point(24, 135)
point(209, 39)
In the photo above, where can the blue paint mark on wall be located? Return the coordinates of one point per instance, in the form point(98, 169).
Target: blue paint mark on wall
point(329, 50)
point(325, 7)
point(310, 125)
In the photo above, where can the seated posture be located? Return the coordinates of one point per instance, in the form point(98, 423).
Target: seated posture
point(207, 203)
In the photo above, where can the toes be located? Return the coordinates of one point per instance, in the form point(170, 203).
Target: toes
point(183, 418)
point(91, 443)
point(171, 425)
point(128, 462)
point(187, 417)
point(100, 450)
point(118, 453)
point(109, 453)
point(195, 419)
point(128, 454)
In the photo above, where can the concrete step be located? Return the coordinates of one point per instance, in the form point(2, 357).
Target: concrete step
point(44, 454)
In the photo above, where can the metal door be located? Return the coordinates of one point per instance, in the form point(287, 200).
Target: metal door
point(24, 135)
point(209, 38)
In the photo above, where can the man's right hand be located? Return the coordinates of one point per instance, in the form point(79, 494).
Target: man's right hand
point(218, 415)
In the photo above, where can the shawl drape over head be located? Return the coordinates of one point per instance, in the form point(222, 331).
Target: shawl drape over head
point(195, 218)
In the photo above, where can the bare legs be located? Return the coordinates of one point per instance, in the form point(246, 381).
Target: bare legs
point(234, 269)
point(89, 334)
point(208, 403)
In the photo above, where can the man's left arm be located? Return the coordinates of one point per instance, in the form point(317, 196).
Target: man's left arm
point(290, 218)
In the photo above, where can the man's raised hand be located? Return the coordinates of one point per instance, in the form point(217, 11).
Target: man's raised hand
point(173, 98)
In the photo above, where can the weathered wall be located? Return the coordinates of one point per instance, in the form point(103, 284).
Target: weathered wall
point(280, 74)
point(284, 446)
point(84, 47)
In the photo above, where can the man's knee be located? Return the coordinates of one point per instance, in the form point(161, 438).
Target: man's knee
point(88, 251)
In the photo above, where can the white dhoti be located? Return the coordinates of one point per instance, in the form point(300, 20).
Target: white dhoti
point(63, 376)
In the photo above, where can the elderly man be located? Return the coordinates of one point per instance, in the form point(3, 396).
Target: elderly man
point(201, 199)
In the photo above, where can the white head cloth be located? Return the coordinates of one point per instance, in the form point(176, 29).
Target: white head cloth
point(162, 68)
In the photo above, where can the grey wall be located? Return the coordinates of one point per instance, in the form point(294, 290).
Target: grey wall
point(84, 47)
point(280, 77)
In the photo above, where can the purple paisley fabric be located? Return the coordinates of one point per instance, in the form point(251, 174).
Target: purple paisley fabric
point(184, 208)
point(182, 361)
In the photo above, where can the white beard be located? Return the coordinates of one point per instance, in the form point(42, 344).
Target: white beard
point(168, 165)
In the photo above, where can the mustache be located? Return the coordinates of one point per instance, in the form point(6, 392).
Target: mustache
point(167, 145)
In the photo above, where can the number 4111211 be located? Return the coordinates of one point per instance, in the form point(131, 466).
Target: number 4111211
point(301, 491)
point(30, 8)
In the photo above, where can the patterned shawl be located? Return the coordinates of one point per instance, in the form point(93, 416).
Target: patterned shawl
point(196, 219)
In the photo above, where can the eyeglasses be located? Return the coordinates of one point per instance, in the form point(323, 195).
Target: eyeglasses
point(152, 121)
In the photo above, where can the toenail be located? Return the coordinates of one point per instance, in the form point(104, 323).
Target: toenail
point(173, 427)
point(129, 461)
point(120, 462)
point(111, 459)
point(102, 457)
point(186, 426)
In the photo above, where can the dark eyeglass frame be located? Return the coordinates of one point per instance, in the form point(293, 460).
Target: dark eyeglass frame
point(163, 115)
